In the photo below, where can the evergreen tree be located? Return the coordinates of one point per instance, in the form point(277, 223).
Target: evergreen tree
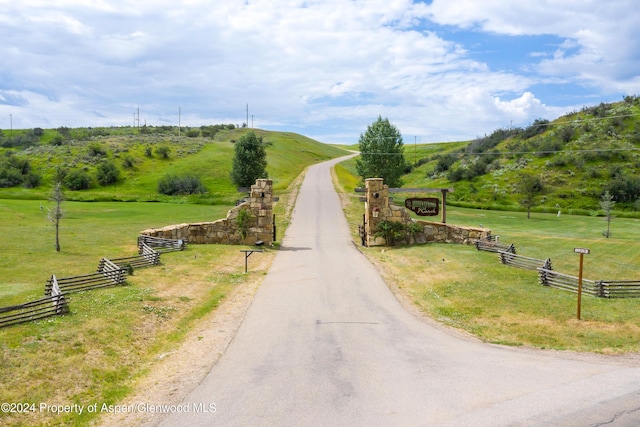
point(250, 160)
point(382, 153)
point(607, 203)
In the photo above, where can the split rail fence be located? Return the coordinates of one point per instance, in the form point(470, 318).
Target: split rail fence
point(549, 277)
point(52, 305)
point(161, 244)
point(111, 272)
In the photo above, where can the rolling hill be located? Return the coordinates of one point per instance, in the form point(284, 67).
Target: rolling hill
point(578, 157)
point(142, 156)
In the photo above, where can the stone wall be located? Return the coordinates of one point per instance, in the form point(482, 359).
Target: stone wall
point(378, 207)
point(226, 231)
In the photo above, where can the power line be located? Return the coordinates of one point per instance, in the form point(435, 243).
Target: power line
point(500, 153)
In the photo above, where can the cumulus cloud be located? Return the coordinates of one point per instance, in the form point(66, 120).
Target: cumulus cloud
point(326, 68)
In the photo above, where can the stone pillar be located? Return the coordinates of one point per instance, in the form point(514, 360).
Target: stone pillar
point(261, 205)
point(375, 208)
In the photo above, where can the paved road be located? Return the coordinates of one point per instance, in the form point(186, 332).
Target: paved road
point(325, 343)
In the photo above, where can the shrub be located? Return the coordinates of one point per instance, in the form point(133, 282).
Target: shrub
point(57, 140)
point(147, 151)
point(244, 221)
point(15, 170)
point(163, 151)
point(390, 231)
point(445, 162)
point(128, 162)
point(31, 180)
point(107, 173)
point(97, 150)
point(173, 185)
point(77, 180)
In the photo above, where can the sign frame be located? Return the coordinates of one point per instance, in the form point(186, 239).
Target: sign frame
point(423, 206)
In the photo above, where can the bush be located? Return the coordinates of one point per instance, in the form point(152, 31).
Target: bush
point(15, 171)
point(173, 185)
point(57, 140)
point(128, 162)
point(97, 150)
point(163, 151)
point(10, 177)
point(244, 221)
point(77, 180)
point(107, 173)
point(390, 231)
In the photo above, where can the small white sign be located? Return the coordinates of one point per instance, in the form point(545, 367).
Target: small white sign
point(581, 250)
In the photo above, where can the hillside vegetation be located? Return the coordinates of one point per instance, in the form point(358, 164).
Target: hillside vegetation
point(31, 161)
point(578, 157)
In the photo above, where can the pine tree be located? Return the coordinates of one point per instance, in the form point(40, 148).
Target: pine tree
point(382, 153)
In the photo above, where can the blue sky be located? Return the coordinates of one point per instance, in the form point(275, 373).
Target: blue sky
point(440, 70)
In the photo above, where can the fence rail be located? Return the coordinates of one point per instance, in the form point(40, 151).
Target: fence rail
point(620, 288)
point(565, 282)
point(147, 258)
point(524, 262)
point(494, 246)
point(52, 305)
point(161, 244)
point(109, 274)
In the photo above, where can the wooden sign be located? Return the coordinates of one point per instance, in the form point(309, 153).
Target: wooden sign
point(423, 206)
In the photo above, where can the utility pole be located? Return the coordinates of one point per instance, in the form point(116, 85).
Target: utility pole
point(179, 114)
point(252, 121)
point(11, 121)
point(247, 122)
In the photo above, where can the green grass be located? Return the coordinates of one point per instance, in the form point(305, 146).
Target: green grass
point(96, 353)
point(288, 154)
point(471, 290)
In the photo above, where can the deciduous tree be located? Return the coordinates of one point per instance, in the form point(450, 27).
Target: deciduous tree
point(530, 187)
point(249, 161)
point(55, 214)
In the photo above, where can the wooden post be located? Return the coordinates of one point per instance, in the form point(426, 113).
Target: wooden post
point(444, 206)
point(580, 251)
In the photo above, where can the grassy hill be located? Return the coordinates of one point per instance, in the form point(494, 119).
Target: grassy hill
point(137, 154)
point(578, 156)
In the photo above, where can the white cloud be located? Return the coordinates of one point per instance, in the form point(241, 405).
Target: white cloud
point(601, 44)
point(326, 68)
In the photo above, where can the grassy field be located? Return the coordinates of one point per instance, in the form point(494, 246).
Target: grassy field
point(471, 290)
point(96, 353)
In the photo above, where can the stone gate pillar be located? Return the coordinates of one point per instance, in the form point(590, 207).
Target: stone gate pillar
point(375, 207)
point(261, 205)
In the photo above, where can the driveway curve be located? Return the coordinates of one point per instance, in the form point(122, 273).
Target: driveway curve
point(326, 343)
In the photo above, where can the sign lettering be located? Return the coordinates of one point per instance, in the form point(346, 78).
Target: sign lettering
point(423, 206)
